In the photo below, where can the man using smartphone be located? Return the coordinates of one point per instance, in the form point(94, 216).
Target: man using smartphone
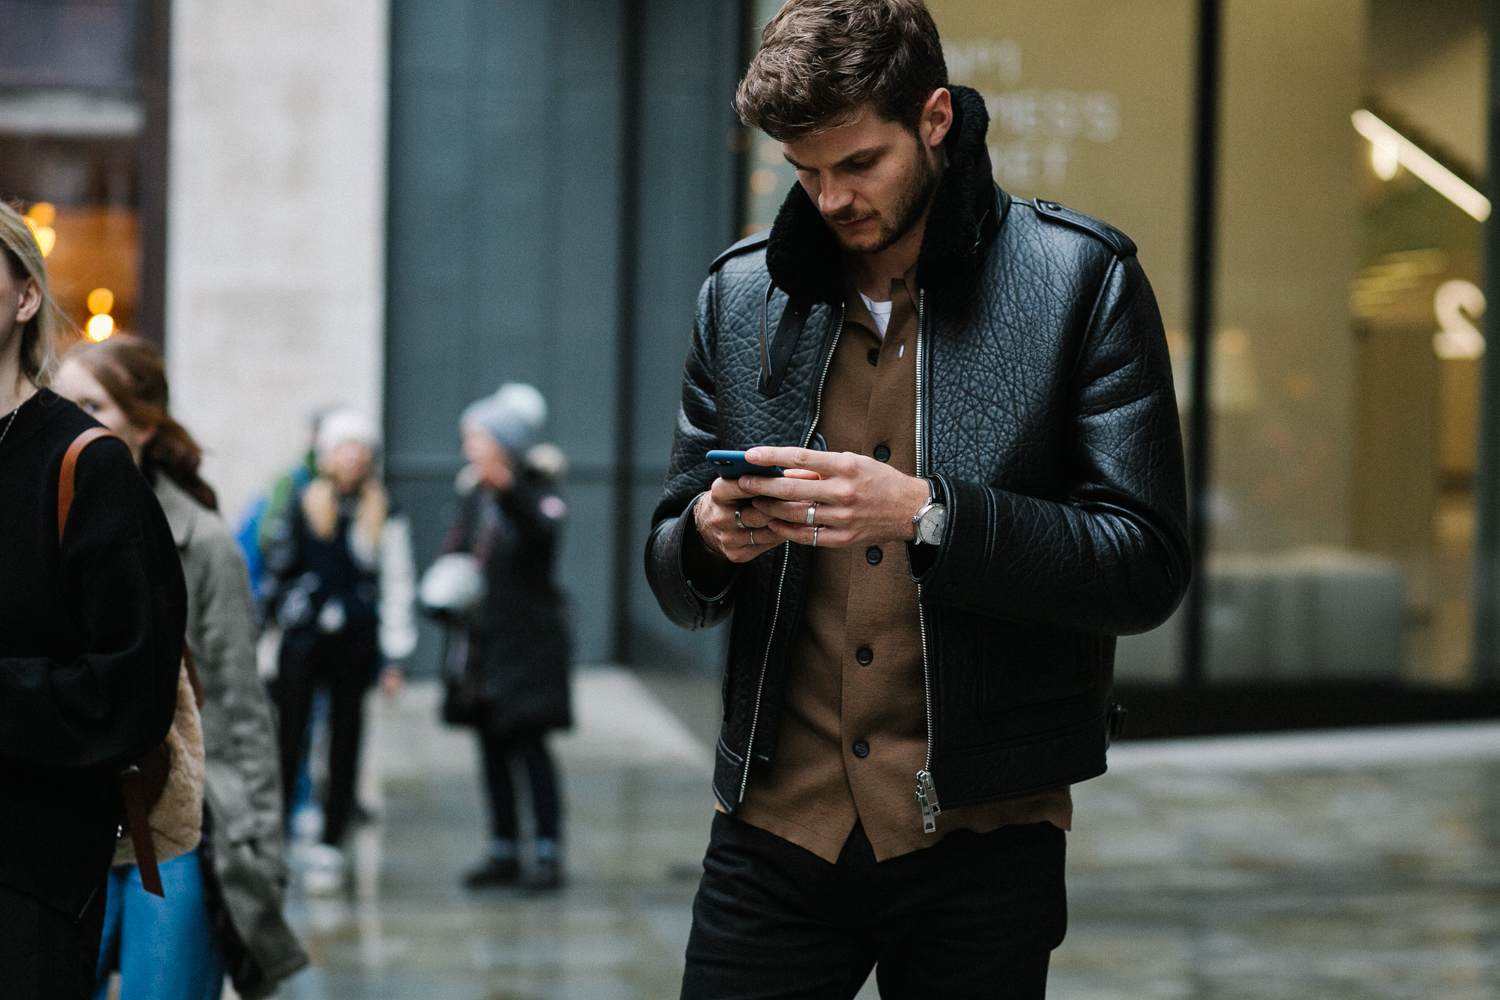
point(972, 400)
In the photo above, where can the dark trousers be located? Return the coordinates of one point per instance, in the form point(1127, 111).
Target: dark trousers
point(533, 756)
point(344, 662)
point(975, 915)
point(46, 954)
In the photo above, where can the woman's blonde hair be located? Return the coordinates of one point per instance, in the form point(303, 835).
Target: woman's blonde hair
point(24, 259)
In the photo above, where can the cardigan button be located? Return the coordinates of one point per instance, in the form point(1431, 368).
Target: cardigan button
point(873, 555)
point(861, 749)
point(865, 655)
point(882, 453)
point(874, 356)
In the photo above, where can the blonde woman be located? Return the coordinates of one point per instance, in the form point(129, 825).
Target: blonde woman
point(91, 629)
point(342, 561)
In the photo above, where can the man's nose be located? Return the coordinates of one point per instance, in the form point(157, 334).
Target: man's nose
point(832, 196)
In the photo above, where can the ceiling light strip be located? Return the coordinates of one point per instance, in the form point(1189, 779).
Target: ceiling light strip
point(1411, 156)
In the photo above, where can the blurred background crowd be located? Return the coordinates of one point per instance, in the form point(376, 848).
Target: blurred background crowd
point(420, 276)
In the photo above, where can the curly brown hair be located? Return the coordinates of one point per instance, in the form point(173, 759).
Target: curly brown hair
point(820, 60)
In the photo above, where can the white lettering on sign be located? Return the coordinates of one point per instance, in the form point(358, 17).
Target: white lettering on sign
point(1032, 131)
point(983, 57)
point(1459, 305)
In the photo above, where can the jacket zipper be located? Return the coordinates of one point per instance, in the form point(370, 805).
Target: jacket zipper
point(765, 661)
point(927, 797)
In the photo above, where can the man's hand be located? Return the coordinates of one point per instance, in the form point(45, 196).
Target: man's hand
point(859, 500)
point(723, 537)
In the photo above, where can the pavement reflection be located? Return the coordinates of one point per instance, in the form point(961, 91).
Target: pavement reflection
point(1354, 865)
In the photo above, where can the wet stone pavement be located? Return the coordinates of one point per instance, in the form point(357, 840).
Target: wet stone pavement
point(1358, 865)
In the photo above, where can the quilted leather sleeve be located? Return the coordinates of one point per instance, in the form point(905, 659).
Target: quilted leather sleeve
point(688, 477)
point(1109, 555)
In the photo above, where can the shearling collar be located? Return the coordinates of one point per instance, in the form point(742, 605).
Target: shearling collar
point(803, 255)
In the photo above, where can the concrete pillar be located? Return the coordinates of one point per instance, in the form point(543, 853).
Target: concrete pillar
point(276, 231)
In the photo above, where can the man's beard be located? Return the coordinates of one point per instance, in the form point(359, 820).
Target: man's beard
point(908, 212)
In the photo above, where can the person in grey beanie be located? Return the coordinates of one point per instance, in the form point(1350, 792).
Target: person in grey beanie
point(513, 647)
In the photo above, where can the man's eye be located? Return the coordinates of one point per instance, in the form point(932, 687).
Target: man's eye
point(89, 406)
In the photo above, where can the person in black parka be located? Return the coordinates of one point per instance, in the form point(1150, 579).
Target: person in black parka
point(518, 644)
point(91, 630)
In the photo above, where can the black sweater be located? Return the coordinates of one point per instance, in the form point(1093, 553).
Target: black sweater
point(90, 642)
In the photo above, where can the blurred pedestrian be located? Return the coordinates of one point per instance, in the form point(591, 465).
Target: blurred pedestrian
point(265, 511)
point(342, 559)
point(223, 903)
point(964, 403)
point(91, 631)
point(516, 642)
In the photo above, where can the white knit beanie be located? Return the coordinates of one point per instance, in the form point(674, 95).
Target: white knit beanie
point(339, 426)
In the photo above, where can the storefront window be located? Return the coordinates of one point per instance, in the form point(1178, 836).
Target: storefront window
point(1345, 371)
point(70, 126)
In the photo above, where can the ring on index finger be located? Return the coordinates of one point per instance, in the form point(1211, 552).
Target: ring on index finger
point(812, 511)
point(738, 523)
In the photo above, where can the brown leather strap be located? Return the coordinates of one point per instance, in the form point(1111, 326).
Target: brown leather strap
point(192, 669)
point(140, 830)
point(132, 785)
point(69, 468)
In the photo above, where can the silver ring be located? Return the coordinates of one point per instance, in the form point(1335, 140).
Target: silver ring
point(752, 535)
point(812, 511)
point(816, 528)
point(737, 520)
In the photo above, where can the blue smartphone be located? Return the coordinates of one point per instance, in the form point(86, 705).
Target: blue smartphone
point(732, 465)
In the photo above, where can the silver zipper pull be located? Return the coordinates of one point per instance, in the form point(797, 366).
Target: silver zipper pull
point(927, 798)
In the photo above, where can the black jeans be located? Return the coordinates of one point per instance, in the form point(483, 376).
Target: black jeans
point(532, 753)
point(344, 662)
point(46, 954)
point(975, 915)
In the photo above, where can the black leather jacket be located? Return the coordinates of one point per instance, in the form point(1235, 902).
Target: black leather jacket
point(1047, 423)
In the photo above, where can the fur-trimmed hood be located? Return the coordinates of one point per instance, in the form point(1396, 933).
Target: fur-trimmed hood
point(802, 254)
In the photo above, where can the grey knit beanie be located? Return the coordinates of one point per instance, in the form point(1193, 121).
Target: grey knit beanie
point(512, 416)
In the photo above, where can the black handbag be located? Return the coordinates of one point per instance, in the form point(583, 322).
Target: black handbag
point(462, 704)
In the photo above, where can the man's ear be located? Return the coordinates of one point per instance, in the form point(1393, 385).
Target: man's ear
point(31, 301)
point(937, 117)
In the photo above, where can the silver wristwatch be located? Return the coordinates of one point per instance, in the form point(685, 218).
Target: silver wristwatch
point(929, 522)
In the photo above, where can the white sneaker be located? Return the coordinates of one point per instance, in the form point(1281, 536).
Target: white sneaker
point(307, 822)
point(324, 874)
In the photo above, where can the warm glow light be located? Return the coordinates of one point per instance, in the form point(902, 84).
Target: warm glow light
point(45, 236)
point(42, 213)
point(763, 181)
point(101, 300)
point(100, 327)
point(1411, 156)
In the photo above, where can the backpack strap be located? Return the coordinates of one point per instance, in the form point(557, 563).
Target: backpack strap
point(69, 471)
point(192, 672)
point(136, 797)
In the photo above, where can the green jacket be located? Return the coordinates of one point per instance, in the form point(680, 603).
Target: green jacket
point(243, 783)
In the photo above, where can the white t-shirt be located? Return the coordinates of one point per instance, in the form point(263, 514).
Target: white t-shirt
point(880, 312)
